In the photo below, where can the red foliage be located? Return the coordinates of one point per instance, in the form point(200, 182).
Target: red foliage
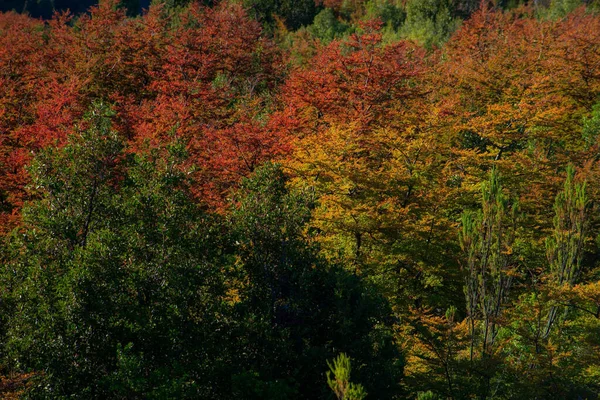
point(213, 69)
point(358, 80)
point(576, 57)
point(186, 80)
point(21, 47)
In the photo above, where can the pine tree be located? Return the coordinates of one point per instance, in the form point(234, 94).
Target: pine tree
point(564, 248)
point(487, 238)
point(338, 379)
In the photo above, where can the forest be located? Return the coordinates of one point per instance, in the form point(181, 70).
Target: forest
point(300, 199)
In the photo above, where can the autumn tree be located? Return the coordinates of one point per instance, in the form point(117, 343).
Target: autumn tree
point(368, 151)
point(515, 94)
point(21, 47)
point(353, 81)
point(190, 74)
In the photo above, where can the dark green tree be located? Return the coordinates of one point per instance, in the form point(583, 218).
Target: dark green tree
point(114, 285)
point(295, 13)
point(296, 311)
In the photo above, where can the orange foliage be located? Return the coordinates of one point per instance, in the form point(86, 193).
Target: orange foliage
point(517, 92)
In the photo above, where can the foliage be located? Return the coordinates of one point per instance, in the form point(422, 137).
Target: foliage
point(265, 185)
point(564, 248)
point(296, 311)
point(295, 13)
point(429, 22)
point(112, 274)
point(326, 27)
point(338, 379)
point(487, 239)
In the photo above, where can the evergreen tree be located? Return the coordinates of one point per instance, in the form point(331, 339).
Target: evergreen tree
point(338, 379)
point(487, 239)
point(564, 248)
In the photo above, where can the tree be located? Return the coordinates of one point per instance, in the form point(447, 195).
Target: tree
point(564, 248)
point(338, 379)
point(200, 72)
point(326, 27)
point(365, 151)
point(358, 80)
point(487, 239)
point(366, 148)
point(437, 347)
point(294, 13)
point(21, 50)
point(115, 283)
point(294, 309)
point(429, 22)
point(517, 95)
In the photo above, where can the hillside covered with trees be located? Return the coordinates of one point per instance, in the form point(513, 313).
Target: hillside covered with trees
point(279, 199)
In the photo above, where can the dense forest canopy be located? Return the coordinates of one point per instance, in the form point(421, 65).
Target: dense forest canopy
point(277, 199)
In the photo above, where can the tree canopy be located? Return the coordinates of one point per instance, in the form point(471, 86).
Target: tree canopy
point(299, 199)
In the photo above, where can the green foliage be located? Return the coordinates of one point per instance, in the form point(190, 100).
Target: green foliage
point(487, 239)
point(429, 22)
point(120, 286)
point(591, 127)
point(327, 27)
point(75, 181)
point(429, 395)
point(115, 289)
point(560, 8)
point(294, 310)
point(564, 248)
point(392, 14)
point(295, 13)
point(338, 379)
point(170, 5)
